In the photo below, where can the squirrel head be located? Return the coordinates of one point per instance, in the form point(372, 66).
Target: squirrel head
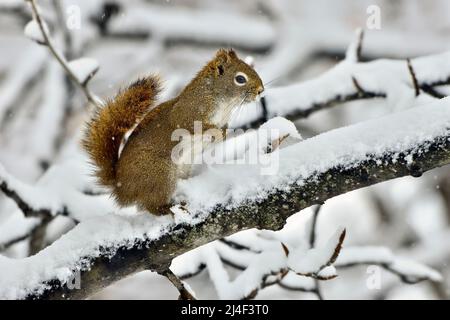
point(233, 78)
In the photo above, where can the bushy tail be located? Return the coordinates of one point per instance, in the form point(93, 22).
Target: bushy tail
point(107, 128)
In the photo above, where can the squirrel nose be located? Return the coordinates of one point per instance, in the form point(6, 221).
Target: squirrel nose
point(260, 90)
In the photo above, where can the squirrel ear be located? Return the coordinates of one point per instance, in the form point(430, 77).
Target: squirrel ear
point(220, 69)
point(222, 56)
point(226, 56)
point(232, 54)
point(222, 59)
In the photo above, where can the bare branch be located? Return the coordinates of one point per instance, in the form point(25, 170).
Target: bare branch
point(403, 276)
point(312, 241)
point(283, 285)
point(353, 53)
point(413, 77)
point(61, 60)
point(237, 246)
point(176, 281)
point(358, 87)
point(11, 242)
point(200, 268)
point(432, 91)
point(359, 46)
point(26, 208)
point(312, 235)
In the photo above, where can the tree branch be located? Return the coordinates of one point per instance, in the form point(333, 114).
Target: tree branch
point(5, 245)
point(61, 60)
point(356, 74)
point(413, 77)
point(176, 281)
point(269, 213)
point(27, 210)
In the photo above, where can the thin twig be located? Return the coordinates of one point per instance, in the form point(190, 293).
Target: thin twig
point(312, 241)
point(432, 91)
point(61, 60)
point(405, 278)
point(184, 293)
point(5, 245)
point(358, 87)
point(27, 210)
point(237, 246)
point(359, 45)
point(37, 236)
point(312, 234)
point(200, 268)
point(413, 77)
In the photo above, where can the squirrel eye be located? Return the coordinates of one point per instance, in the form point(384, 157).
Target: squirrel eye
point(240, 79)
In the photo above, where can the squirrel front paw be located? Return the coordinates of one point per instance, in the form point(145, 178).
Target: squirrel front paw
point(180, 208)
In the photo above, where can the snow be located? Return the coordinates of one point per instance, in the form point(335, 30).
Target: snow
point(30, 63)
point(84, 68)
point(51, 113)
point(384, 257)
point(60, 189)
point(264, 257)
point(352, 50)
point(119, 230)
point(271, 260)
point(314, 260)
point(390, 77)
point(11, 4)
point(33, 31)
point(415, 270)
point(15, 227)
point(256, 142)
point(31, 118)
point(75, 250)
point(361, 255)
point(345, 147)
point(193, 24)
point(293, 280)
point(301, 262)
point(248, 280)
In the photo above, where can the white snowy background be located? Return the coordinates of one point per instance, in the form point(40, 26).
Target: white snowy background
point(402, 225)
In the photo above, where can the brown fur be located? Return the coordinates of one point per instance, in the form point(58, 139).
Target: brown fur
point(145, 174)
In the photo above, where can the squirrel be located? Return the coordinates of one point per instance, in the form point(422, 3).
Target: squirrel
point(144, 174)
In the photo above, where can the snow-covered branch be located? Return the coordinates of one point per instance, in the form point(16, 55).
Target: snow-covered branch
point(107, 248)
point(351, 80)
point(184, 26)
point(252, 254)
point(408, 271)
point(58, 192)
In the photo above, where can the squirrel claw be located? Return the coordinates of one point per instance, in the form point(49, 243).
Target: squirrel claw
point(179, 209)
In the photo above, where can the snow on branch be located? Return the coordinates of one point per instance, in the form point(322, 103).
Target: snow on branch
point(183, 25)
point(102, 250)
point(16, 229)
point(253, 254)
point(408, 271)
point(351, 80)
point(60, 191)
point(268, 267)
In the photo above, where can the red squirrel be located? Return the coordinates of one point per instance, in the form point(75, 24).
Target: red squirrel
point(144, 174)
